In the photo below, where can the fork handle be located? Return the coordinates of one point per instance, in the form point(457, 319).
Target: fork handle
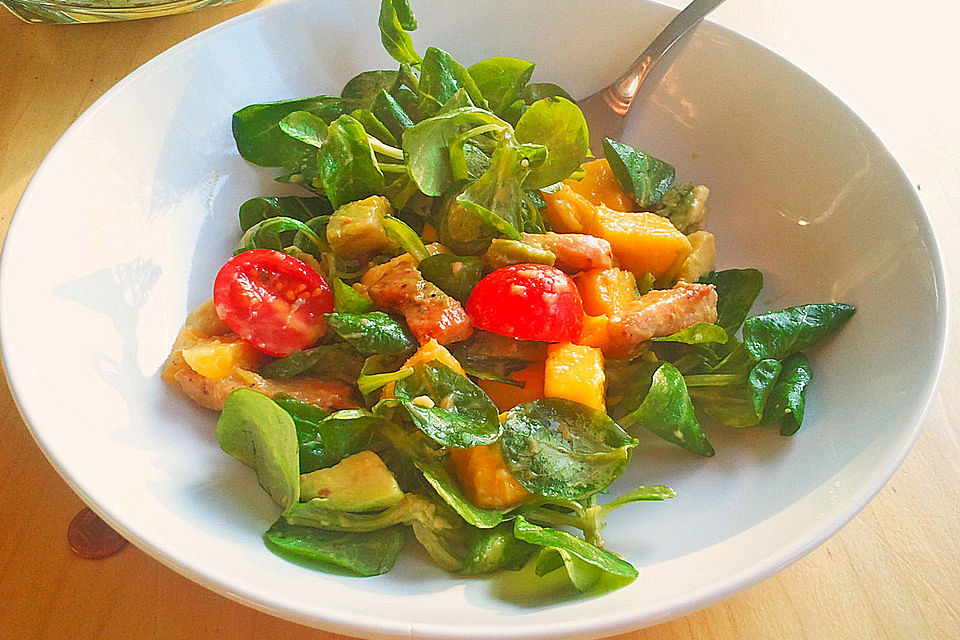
point(620, 94)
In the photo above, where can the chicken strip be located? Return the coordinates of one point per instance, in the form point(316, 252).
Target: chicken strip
point(661, 313)
point(575, 252)
point(204, 328)
point(429, 312)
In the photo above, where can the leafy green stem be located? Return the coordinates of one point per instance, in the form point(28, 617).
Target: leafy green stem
point(384, 149)
point(368, 383)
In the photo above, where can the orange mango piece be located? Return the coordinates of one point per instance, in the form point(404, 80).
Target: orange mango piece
point(642, 242)
point(575, 372)
point(216, 359)
point(506, 396)
point(567, 211)
point(484, 477)
point(600, 186)
point(606, 291)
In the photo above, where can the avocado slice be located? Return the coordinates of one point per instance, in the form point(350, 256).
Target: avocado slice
point(358, 483)
point(357, 227)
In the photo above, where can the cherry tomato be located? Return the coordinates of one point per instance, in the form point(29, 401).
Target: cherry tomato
point(528, 302)
point(272, 300)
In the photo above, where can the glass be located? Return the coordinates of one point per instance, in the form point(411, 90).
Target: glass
point(76, 11)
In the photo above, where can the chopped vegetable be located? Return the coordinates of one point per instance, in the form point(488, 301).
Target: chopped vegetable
point(606, 291)
point(575, 372)
point(642, 242)
point(485, 478)
point(273, 301)
point(599, 186)
point(528, 302)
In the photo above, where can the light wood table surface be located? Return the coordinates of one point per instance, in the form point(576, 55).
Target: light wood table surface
point(893, 572)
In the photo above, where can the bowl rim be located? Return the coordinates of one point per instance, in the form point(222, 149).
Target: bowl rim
point(345, 622)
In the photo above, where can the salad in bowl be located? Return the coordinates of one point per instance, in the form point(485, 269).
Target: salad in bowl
point(466, 323)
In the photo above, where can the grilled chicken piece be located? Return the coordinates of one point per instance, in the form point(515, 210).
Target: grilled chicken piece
point(430, 313)
point(575, 251)
point(661, 313)
point(204, 328)
point(212, 394)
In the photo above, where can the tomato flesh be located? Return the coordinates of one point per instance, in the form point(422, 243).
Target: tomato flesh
point(528, 302)
point(272, 301)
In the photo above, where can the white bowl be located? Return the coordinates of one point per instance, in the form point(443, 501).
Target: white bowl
point(125, 224)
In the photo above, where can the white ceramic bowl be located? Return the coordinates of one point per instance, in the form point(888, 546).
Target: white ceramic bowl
point(126, 222)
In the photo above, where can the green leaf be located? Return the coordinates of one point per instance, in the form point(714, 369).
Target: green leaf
point(305, 127)
point(406, 238)
point(372, 333)
point(668, 412)
point(259, 433)
point(563, 449)
point(699, 333)
point(426, 145)
point(467, 550)
point(644, 177)
point(325, 439)
point(346, 299)
point(303, 209)
point(787, 399)
point(348, 168)
point(459, 100)
point(540, 90)
point(373, 126)
point(440, 78)
point(501, 79)
point(740, 404)
point(369, 553)
point(455, 275)
point(449, 408)
point(559, 125)
point(266, 235)
point(654, 493)
point(448, 489)
point(782, 333)
point(494, 201)
point(569, 546)
point(396, 19)
point(256, 130)
point(388, 111)
point(338, 361)
point(294, 364)
point(367, 85)
point(628, 382)
point(736, 291)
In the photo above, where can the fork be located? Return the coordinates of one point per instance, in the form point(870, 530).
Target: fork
point(606, 110)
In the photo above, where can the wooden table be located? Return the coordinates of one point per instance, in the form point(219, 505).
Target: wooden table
point(893, 572)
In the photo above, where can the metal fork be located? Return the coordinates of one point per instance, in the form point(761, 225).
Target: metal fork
point(606, 110)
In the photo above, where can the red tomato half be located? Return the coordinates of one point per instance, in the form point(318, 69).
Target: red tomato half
point(272, 300)
point(528, 302)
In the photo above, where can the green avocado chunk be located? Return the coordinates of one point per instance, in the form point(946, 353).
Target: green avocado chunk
point(360, 482)
point(357, 227)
